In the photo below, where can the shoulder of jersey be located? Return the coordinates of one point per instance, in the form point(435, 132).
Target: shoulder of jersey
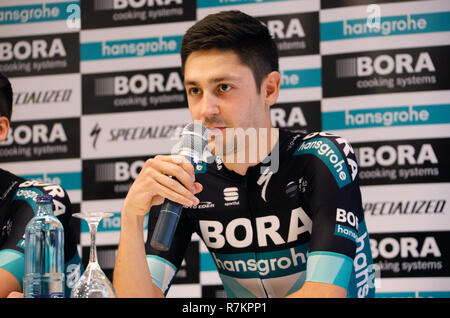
point(333, 150)
point(39, 187)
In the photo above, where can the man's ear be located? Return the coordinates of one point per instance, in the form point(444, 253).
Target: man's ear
point(4, 127)
point(271, 87)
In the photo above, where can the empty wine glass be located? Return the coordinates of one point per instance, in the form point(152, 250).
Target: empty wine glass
point(93, 283)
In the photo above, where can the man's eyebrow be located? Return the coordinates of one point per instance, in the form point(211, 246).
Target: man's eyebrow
point(213, 80)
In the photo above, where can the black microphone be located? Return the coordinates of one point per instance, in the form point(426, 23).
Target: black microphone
point(193, 142)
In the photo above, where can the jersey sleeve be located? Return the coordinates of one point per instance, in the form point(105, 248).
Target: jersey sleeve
point(23, 208)
point(164, 265)
point(336, 208)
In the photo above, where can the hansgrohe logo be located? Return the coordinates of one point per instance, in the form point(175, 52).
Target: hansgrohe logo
point(130, 48)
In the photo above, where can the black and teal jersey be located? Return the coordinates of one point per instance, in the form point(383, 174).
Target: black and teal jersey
point(17, 207)
point(278, 226)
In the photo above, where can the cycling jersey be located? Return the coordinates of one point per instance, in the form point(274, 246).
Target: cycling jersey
point(17, 207)
point(279, 225)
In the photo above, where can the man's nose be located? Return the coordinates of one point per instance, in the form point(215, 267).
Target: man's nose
point(209, 105)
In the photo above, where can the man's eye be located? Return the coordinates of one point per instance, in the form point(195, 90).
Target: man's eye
point(194, 91)
point(224, 88)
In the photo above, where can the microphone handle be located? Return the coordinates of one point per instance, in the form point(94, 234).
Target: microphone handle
point(166, 225)
point(167, 221)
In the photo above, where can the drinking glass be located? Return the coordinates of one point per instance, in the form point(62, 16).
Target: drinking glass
point(93, 283)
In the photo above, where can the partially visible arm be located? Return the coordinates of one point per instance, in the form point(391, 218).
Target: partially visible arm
point(8, 283)
point(132, 277)
point(131, 273)
point(319, 290)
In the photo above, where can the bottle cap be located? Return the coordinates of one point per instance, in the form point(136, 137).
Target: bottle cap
point(44, 198)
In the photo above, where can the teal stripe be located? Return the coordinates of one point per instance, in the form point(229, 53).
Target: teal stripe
point(262, 265)
point(222, 3)
point(301, 78)
point(329, 268)
point(207, 262)
point(130, 48)
point(67, 180)
point(387, 117)
point(396, 295)
point(336, 30)
point(14, 262)
point(21, 14)
point(346, 232)
point(435, 294)
point(158, 267)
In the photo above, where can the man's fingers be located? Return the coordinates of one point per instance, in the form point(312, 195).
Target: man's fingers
point(183, 172)
point(176, 197)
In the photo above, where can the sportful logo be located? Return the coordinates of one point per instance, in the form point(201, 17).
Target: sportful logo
point(231, 196)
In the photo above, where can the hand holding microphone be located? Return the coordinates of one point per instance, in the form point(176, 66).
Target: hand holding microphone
point(193, 142)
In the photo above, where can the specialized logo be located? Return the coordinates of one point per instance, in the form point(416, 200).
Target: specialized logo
point(329, 153)
point(264, 181)
point(405, 207)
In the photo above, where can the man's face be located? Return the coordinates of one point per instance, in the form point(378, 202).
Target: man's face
point(222, 94)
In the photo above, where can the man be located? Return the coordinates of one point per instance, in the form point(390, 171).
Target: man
point(295, 228)
point(17, 207)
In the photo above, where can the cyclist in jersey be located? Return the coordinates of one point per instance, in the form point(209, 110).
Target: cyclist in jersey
point(17, 207)
point(284, 220)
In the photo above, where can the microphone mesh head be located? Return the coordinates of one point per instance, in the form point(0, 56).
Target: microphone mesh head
point(195, 138)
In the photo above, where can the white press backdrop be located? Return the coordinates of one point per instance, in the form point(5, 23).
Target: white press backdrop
point(98, 90)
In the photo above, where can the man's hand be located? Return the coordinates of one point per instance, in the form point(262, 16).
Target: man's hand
point(155, 183)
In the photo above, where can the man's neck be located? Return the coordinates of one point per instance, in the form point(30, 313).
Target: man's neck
point(253, 154)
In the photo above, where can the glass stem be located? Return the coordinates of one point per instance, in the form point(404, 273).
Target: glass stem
point(93, 231)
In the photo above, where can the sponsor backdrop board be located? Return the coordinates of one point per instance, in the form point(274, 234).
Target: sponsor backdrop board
point(98, 91)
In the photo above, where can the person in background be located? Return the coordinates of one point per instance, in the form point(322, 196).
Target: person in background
point(17, 207)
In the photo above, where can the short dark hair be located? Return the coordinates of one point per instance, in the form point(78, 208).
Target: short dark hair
point(6, 96)
point(238, 32)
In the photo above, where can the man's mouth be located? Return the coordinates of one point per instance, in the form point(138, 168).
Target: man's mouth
point(214, 131)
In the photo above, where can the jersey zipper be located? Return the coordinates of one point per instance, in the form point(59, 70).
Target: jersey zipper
point(253, 218)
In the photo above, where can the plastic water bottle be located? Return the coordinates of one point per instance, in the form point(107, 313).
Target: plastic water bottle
point(44, 253)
